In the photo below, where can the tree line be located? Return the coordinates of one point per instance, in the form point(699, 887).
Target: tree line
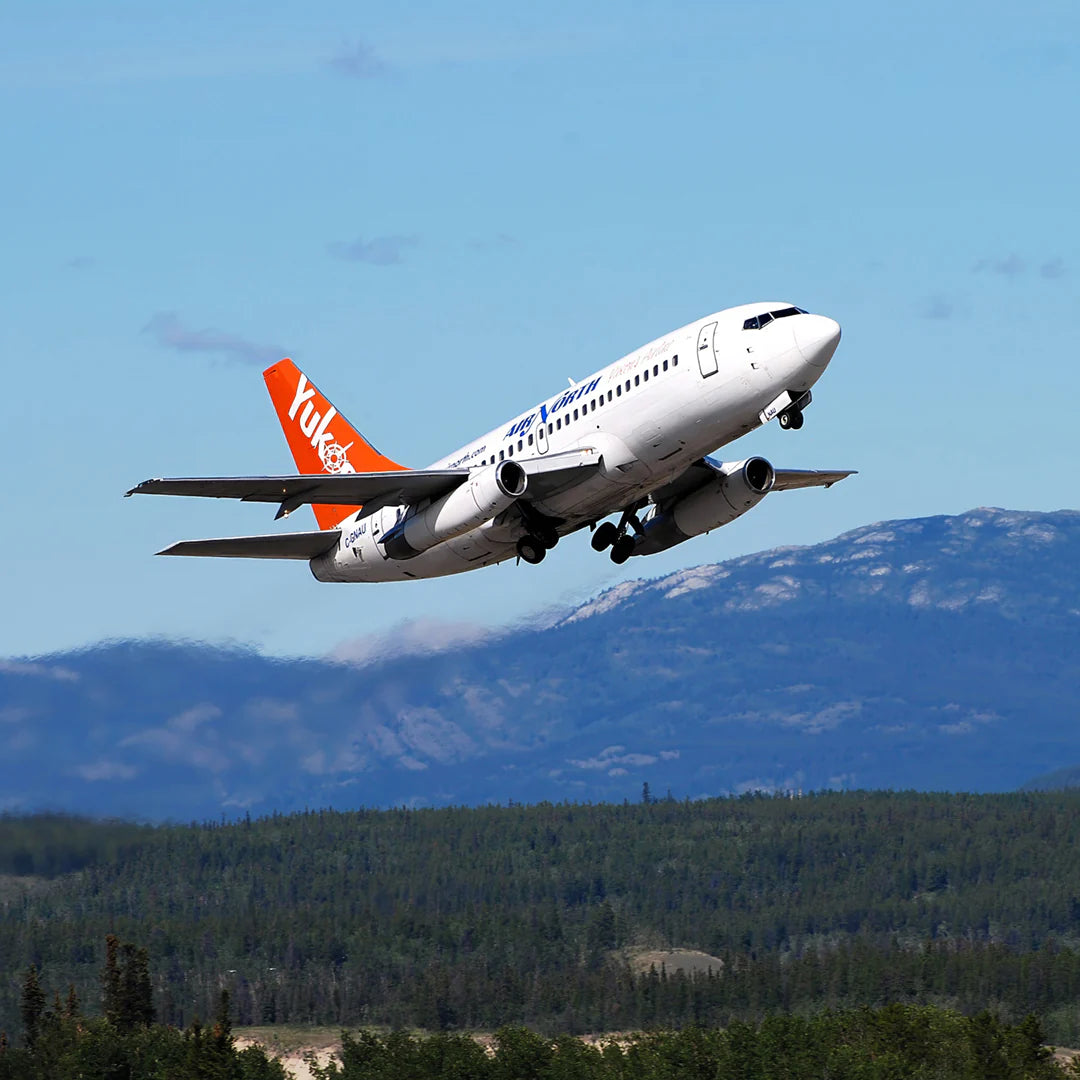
point(123, 1043)
point(475, 918)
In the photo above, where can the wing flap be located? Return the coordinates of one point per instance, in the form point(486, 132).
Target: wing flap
point(298, 545)
point(554, 472)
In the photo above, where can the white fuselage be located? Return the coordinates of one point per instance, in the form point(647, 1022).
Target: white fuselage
point(648, 417)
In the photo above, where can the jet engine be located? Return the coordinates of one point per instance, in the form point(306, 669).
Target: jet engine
point(737, 487)
point(487, 492)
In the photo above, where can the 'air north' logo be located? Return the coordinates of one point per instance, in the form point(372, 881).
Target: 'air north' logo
point(316, 427)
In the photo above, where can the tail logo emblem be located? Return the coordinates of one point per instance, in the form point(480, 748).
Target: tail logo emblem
point(334, 457)
point(332, 454)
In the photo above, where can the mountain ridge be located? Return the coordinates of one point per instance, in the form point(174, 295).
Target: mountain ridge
point(936, 653)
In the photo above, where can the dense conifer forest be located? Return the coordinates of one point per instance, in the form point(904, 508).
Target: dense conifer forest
point(466, 919)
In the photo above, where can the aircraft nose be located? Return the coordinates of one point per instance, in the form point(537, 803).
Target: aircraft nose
point(817, 337)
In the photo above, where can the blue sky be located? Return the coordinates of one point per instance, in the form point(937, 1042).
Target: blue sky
point(442, 211)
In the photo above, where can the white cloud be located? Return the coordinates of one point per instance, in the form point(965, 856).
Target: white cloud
point(418, 637)
point(46, 671)
point(105, 770)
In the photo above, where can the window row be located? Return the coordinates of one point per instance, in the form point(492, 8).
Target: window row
point(585, 408)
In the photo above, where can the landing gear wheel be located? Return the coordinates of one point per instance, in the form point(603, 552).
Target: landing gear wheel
point(796, 421)
point(604, 536)
point(530, 550)
point(547, 535)
point(622, 549)
point(792, 419)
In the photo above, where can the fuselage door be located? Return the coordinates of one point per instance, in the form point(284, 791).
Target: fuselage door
point(706, 350)
point(541, 436)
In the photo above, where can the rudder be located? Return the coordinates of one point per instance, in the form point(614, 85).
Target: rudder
point(320, 438)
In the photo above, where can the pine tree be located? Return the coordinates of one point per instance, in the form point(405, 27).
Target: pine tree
point(32, 1007)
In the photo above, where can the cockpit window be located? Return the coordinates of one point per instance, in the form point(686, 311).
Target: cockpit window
point(766, 317)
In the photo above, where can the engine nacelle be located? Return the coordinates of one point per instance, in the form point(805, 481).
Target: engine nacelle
point(487, 492)
point(739, 486)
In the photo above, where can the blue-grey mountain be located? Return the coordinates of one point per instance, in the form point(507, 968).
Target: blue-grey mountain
point(936, 653)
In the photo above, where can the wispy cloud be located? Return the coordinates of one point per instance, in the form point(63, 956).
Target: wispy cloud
point(1013, 266)
point(169, 332)
point(938, 307)
point(1010, 266)
point(358, 60)
point(105, 770)
point(378, 251)
point(30, 667)
point(1053, 268)
point(498, 242)
point(612, 758)
point(417, 637)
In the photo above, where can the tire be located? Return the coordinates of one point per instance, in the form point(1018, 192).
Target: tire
point(796, 421)
point(604, 536)
point(622, 549)
point(547, 535)
point(530, 550)
point(784, 420)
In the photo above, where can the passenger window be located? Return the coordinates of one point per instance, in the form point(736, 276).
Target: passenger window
point(510, 450)
point(575, 414)
point(674, 361)
point(655, 370)
point(550, 429)
point(500, 455)
point(645, 374)
point(520, 445)
point(609, 395)
point(601, 400)
point(558, 424)
point(530, 440)
point(628, 386)
point(665, 365)
point(618, 390)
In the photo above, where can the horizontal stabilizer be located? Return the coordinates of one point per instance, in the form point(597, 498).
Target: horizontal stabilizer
point(297, 545)
point(790, 479)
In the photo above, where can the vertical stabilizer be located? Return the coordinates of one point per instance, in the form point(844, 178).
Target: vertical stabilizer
point(320, 438)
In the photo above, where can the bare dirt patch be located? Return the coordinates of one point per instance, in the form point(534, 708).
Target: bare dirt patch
point(688, 961)
point(293, 1044)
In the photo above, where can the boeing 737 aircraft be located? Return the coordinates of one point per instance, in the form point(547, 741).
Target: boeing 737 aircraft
point(632, 439)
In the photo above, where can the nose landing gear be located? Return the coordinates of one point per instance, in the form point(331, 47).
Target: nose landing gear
point(791, 419)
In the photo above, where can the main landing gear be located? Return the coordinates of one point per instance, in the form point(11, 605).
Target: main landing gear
point(618, 537)
point(543, 536)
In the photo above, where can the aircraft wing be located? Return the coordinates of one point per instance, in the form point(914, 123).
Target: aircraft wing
point(704, 470)
point(397, 486)
point(790, 479)
point(372, 490)
point(297, 545)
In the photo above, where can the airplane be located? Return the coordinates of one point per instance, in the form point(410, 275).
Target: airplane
point(635, 439)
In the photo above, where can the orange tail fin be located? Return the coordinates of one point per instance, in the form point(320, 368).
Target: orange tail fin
point(320, 438)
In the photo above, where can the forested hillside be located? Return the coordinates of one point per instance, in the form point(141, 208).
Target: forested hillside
point(473, 918)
